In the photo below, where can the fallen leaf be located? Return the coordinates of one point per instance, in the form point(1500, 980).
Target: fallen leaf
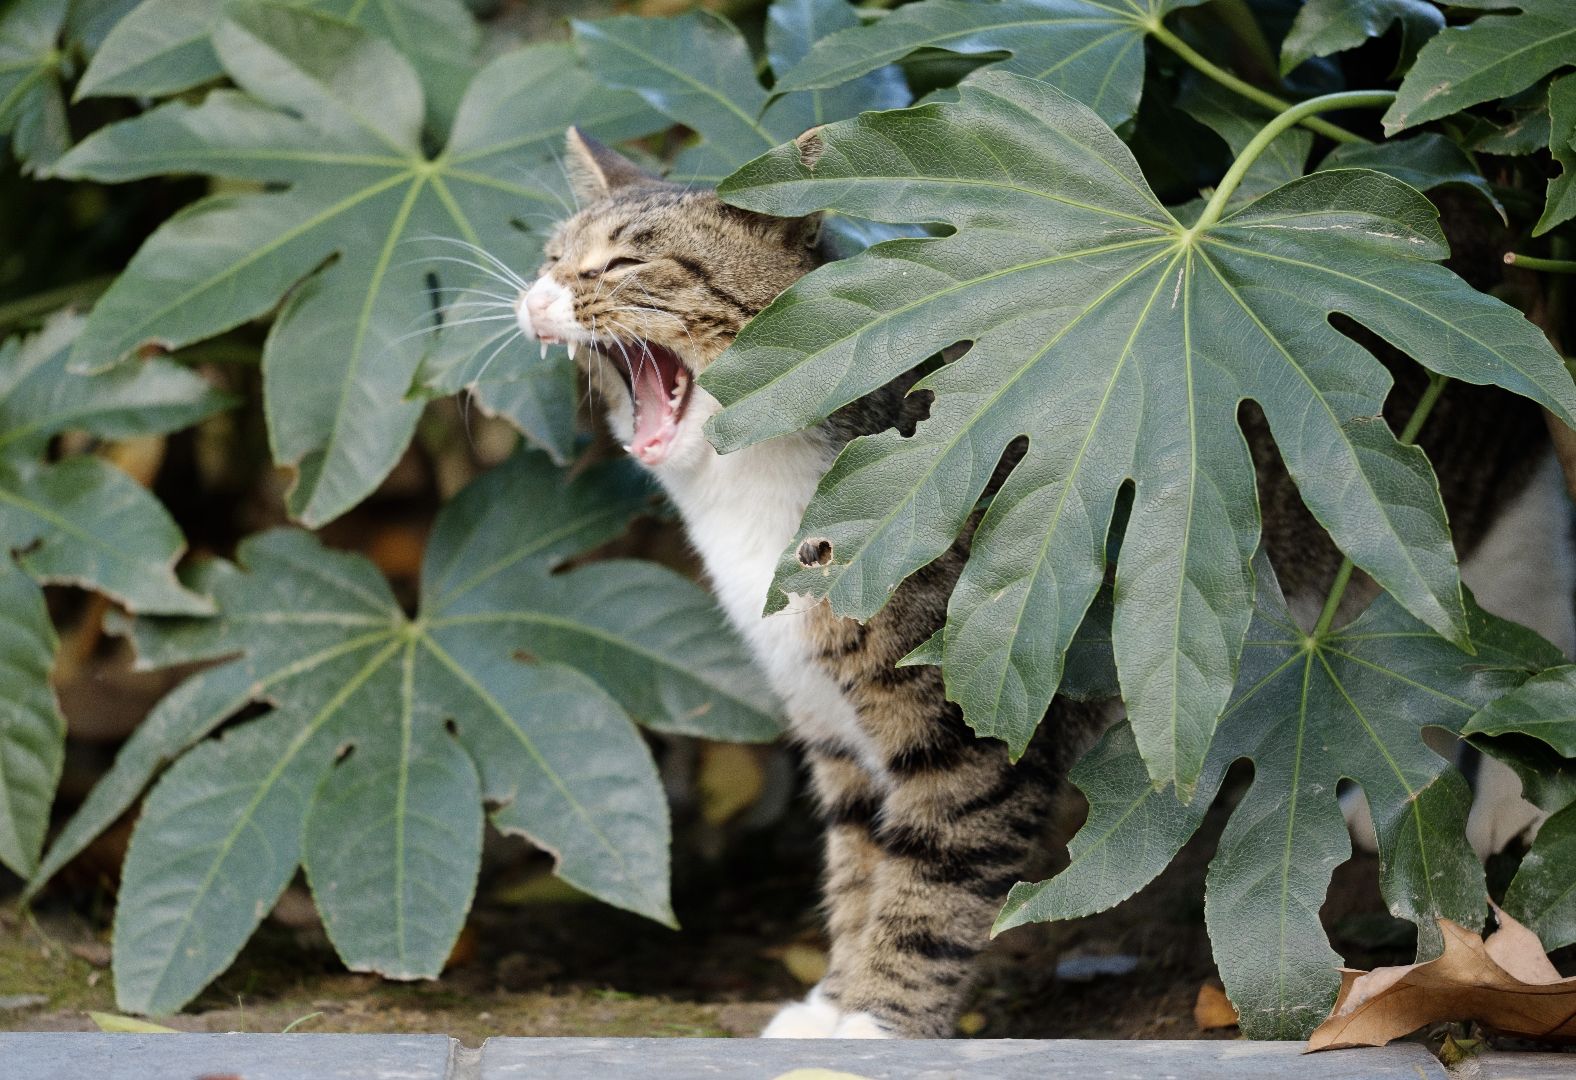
point(1212, 1009)
point(1506, 983)
point(818, 1074)
point(805, 963)
point(731, 779)
point(971, 1024)
point(128, 1024)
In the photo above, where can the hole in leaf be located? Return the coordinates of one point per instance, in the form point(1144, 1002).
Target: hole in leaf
point(816, 551)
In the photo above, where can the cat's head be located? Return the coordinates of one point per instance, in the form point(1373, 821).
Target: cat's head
point(647, 284)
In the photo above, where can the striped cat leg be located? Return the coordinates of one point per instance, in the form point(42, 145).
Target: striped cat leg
point(849, 803)
point(958, 827)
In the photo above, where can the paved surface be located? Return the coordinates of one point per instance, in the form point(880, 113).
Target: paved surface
point(56, 1056)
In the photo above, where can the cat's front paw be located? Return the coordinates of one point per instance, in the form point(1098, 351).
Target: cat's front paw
point(812, 1018)
point(862, 1025)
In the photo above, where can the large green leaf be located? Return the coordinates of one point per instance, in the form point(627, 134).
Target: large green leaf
point(39, 398)
point(81, 522)
point(1542, 895)
point(1560, 202)
point(1091, 49)
point(334, 114)
point(494, 692)
point(1508, 48)
point(1120, 344)
point(1323, 27)
point(1533, 729)
point(164, 46)
point(32, 108)
point(698, 71)
point(32, 731)
point(1308, 713)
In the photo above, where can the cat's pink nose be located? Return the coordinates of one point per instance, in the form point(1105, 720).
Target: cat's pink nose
point(537, 300)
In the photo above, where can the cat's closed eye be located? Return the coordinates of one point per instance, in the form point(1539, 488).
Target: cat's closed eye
point(622, 263)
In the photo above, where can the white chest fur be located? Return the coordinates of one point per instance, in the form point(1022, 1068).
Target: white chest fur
point(741, 511)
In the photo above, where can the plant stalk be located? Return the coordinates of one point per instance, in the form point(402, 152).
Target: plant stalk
point(1343, 576)
point(1349, 99)
point(1536, 262)
point(1207, 67)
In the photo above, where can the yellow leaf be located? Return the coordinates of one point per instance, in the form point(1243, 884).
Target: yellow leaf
point(116, 1022)
point(730, 780)
point(805, 963)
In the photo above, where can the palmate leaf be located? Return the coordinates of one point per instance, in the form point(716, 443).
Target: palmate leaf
point(714, 91)
point(32, 107)
point(496, 691)
point(1307, 714)
point(1533, 729)
point(165, 46)
point(1560, 203)
point(1542, 895)
point(80, 522)
point(32, 731)
point(1323, 27)
point(697, 70)
point(1120, 344)
point(1091, 49)
point(1508, 48)
point(335, 113)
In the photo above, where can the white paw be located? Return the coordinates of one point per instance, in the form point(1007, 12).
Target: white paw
point(861, 1026)
point(812, 1018)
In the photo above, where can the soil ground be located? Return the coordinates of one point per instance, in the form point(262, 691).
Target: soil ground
point(537, 960)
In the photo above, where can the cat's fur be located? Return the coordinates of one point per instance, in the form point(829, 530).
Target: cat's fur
point(927, 826)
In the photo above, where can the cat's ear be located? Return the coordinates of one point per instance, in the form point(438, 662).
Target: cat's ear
point(595, 171)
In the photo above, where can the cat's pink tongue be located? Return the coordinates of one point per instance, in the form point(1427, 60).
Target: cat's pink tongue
point(656, 419)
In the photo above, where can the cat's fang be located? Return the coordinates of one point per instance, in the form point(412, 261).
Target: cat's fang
point(544, 350)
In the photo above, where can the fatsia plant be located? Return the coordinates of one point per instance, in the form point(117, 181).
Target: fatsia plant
point(1308, 711)
point(334, 115)
point(77, 521)
point(1119, 342)
point(1533, 730)
point(164, 46)
point(386, 732)
point(32, 107)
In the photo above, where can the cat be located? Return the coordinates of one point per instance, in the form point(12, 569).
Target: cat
point(927, 826)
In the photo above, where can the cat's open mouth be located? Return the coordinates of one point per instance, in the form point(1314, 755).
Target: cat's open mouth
point(659, 385)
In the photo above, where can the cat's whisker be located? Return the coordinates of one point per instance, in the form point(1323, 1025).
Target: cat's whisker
point(500, 279)
point(448, 326)
point(694, 348)
point(439, 290)
point(502, 346)
point(568, 182)
point(502, 266)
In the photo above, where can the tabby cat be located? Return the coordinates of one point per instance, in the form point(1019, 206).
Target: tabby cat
point(927, 826)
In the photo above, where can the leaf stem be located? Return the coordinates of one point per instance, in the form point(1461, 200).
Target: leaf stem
point(1535, 262)
point(1294, 114)
point(1207, 67)
point(1414, 424)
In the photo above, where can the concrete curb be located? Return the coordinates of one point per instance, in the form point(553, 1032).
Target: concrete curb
point(70, 1056)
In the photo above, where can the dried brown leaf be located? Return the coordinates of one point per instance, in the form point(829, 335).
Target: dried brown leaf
point(1212, 1009)
point(1505, 983)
